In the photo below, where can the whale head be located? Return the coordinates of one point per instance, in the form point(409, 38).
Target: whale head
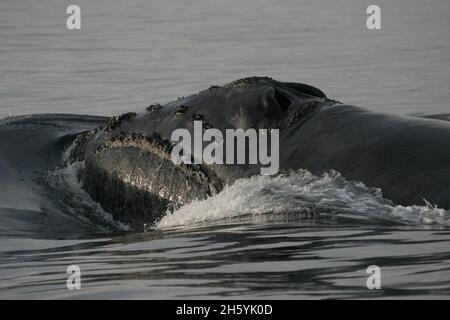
point(128, 164)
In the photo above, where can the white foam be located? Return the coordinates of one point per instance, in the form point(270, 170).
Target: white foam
point(299, 191)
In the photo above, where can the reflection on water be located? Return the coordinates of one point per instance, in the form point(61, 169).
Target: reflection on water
point(278, 260)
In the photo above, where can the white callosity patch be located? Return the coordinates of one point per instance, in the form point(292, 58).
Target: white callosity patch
point(300, 192)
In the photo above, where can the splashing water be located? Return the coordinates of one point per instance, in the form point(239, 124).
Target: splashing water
point(300, 192)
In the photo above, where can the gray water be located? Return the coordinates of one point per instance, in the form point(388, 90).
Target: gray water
point(130, 54)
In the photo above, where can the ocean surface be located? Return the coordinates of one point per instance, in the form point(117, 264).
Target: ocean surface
point(250, 241)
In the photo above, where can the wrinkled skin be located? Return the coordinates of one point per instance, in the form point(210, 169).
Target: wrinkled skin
point(128, 167)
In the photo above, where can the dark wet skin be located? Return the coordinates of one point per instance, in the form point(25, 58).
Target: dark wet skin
point(130, 173)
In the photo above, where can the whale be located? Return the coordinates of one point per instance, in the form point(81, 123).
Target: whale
point(128, 167)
